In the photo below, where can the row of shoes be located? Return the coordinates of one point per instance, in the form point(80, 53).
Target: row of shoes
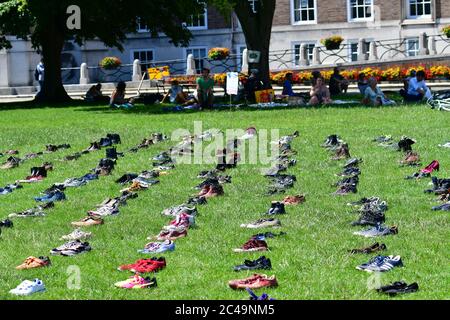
point(76, 239)
point(108, 141)
point(425, 172)
point(372, 213)
point(14, 162)
point(280, 182)
point(183, 219)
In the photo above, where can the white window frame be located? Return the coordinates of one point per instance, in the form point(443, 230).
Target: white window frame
point(349, 13)
point(416, 17)
point(205, 27)
point(293, 22)
point(408, 40)
point(299, 43)
point(195, 48)
point(133, 51)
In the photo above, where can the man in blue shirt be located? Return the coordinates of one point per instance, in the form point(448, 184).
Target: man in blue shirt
point(287, 86)
point(417, 88)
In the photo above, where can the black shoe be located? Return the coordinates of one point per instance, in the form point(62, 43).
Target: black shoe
point(126, 178)
point(196, 201)
point(207, 182)
point(372, 249)
point(277, 208)
point(350, 172)
point(260, 263)
point(370, 219)
point(105, 142)
point(114, 138)
point(405, 144)
point(399, 287)
point(54, 188)
point(6, 224)
point(352, 163)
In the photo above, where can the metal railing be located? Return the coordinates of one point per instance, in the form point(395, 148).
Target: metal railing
point(373, 51)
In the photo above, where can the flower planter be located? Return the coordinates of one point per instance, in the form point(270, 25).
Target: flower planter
point(334, 46)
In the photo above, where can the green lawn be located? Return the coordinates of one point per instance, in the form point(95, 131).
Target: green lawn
point(311, 262)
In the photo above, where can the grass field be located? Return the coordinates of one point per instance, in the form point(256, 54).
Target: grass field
point(311, 262)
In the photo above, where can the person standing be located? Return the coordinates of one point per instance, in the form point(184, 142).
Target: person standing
point(205, 86)
point(39, 75)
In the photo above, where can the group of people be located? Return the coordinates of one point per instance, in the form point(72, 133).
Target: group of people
point(415, 89)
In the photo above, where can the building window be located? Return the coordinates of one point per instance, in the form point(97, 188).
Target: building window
point(145, 56)
point(199, 21)
point(309, 48)
point(412, 47)
point(419, 9)
point(353, 51)
point(304, 11)
point(360, 9)
point(141, 27)
point(240, 54)
point(199, 55)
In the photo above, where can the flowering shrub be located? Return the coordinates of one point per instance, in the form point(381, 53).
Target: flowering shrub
point(218, 53)
point(110, 63)
point(440, 71)
point(332, 43)
point(446, 31)
point(220, 78)
point(391, 74)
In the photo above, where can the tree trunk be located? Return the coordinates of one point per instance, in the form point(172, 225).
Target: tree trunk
point(257, 28)
point(53, 90)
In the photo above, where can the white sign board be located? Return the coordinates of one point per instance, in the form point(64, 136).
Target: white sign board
point(232, 83)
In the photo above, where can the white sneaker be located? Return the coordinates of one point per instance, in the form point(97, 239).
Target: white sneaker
point(28, 287)
point(77, 234)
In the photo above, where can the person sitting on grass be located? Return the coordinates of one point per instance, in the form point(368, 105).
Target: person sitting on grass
point(287, 86)
point(205, 87)
point(315, 75)
point(320, 93)
point(417, 89)
point(118, 99)
point(338, 84)
point(175, 94)
point(252, 85)
point(95, 94)
point(374, 96)
point(362, 83)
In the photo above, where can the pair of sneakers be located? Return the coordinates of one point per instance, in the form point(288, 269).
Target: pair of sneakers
point(262, 223)
point(34, 263)
point(253, 245)
point(381, 264)
point(158, 247)
point(211, 190)
point(256, 281)
point(145, 265)
point(137, 282)
point(71, 248)
point(28, 287)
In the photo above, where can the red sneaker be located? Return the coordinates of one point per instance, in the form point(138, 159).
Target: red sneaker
point(253, 245)
point(254, 282)
point(136, 264)
point(153, 265)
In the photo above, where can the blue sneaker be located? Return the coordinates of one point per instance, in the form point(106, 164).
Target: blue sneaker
point(158, 247)
point(52, 197)
point(253, 296)
point(90, 177)
point(381, 264)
